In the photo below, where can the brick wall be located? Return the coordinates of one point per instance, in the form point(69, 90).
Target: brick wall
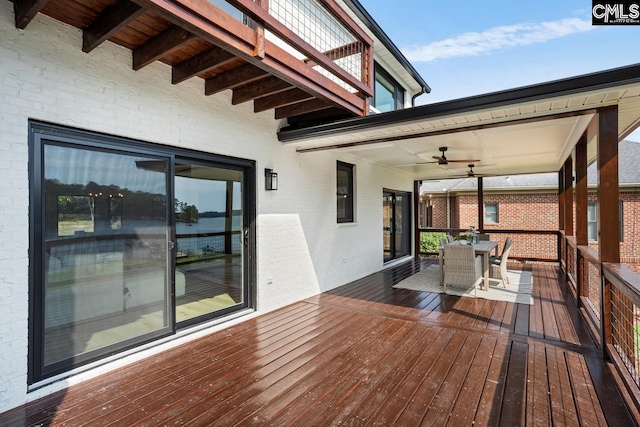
point(534, 211)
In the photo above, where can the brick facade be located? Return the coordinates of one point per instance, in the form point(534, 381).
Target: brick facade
point(532, 211)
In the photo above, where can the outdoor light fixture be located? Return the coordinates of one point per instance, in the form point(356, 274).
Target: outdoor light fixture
point(270, 179)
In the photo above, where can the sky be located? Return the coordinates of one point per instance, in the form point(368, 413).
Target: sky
point(464, 48)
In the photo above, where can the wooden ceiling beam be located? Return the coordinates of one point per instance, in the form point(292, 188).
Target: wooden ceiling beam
point(301, 108)
point(112, 19)
point(162, 44)
point(292, 96)
point(26, 10)
point(218, 29)
point(259, 89)
point(233, 78)
point(330, 113)
point(201, 63)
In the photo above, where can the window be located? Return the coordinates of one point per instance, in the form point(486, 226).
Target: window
point(592, 221)
point(345, 192)
point(388, 94)
point(491, 212)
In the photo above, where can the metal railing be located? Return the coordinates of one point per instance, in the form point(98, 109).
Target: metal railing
point(608, 295)
point(318, 33)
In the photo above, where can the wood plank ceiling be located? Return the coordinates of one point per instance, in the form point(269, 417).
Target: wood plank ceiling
point(166, 31)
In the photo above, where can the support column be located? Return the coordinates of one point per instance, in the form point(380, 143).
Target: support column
point(416, 218)
point(568, 197)
point(560, 215)
point(480, 205)
point(608, 207)
point(580, 160)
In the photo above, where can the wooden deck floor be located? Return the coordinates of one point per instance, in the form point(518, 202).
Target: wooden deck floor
point(366, 354)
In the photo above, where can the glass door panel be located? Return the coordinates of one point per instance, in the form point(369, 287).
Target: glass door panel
point(106, 258)
point(209, 241)
point(387, 225)
point(396, 217)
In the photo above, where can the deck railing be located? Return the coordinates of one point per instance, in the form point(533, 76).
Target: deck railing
point(609, 298)
point(318, 33)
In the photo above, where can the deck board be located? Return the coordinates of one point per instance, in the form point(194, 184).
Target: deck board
point(366, 353)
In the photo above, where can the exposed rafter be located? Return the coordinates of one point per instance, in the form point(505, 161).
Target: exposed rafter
point(205, 61)
point(237, 77)
point(112, 19)
point(160, 45)
point(301, 108)
point(259, 89)
point(290, 97)
point(26, 10)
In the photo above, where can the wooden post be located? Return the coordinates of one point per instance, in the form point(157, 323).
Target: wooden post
point(608, 208)
point(561, 199)
point(416, 217)
point(480, 205)
point(568, 197)
point(580, 161)
point(561, 238)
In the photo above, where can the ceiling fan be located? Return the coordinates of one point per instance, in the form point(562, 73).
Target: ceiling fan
point(442, 160)
point(471, 174)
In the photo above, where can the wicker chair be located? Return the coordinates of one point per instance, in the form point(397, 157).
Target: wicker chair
point(498, 267)
point(496, 259)
point(462, 267)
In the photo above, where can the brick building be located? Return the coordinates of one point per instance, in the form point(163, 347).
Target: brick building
point(530, 202)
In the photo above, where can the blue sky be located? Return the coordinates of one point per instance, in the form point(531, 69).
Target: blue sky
point(465, 48)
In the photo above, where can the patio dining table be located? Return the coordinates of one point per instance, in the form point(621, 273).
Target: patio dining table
point(482, 248)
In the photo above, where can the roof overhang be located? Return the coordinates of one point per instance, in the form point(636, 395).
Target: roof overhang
point(525, 130)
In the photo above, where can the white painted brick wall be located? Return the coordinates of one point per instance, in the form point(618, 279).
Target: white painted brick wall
point(301, 250)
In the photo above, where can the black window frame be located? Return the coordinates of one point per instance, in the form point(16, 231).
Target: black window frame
point(497, 205)
point(43, 133)
point(399, 93)
point(620, 219)
point(349, 215)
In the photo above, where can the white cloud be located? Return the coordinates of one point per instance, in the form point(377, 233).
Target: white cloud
point(473, 44)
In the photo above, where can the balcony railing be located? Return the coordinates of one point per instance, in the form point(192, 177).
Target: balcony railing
point(609, 298)
point(316, 33)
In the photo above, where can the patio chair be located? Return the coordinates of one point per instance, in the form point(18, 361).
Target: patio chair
point(462, 267)
point(496, 259)
point(498, 268)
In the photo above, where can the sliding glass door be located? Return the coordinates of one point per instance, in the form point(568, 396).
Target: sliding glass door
point(105, 216)
point(209, 240)
point(130, 241)
point(396, 224)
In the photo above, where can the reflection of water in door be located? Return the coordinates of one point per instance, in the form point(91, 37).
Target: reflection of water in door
point(209, 240)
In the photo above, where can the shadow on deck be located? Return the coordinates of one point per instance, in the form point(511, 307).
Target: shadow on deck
point(367, 354)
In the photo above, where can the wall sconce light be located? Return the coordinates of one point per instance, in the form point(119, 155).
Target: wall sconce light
point(270, 179)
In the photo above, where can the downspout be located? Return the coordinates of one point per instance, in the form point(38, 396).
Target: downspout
point(413, 98)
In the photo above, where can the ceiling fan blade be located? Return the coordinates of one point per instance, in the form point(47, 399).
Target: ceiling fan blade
point(438, 158)
point(463, 161)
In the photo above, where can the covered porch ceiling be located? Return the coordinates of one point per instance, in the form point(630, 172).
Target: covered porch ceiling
point(525, 130)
